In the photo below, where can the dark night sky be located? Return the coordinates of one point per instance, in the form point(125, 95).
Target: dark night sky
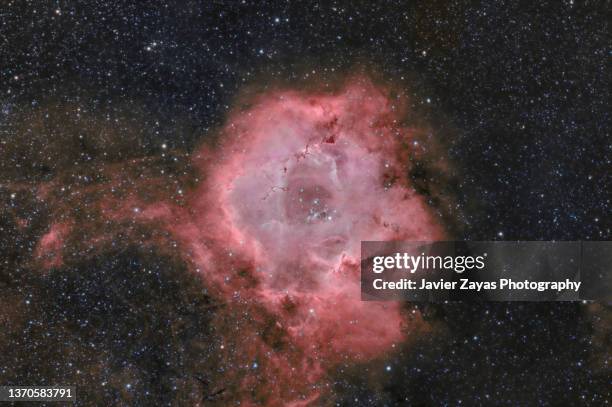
point(518, 91)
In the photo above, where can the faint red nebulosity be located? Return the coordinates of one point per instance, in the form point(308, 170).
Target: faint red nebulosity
point(298, 181)
point(49, 248)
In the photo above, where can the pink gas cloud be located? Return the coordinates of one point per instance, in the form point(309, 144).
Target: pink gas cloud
point(299, 180)
point(273, 225)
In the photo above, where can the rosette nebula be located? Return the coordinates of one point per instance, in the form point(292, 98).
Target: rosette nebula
point(298, 180)
point(270, 220)
point(185, 188)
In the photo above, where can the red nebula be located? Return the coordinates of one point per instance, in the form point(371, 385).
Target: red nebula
point(299, 180)
point(49, 248)
point(274, 226)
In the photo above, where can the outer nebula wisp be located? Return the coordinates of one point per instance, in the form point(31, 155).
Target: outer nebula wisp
point(300, 178)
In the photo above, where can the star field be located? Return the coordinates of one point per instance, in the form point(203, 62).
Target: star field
point(105, 106)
